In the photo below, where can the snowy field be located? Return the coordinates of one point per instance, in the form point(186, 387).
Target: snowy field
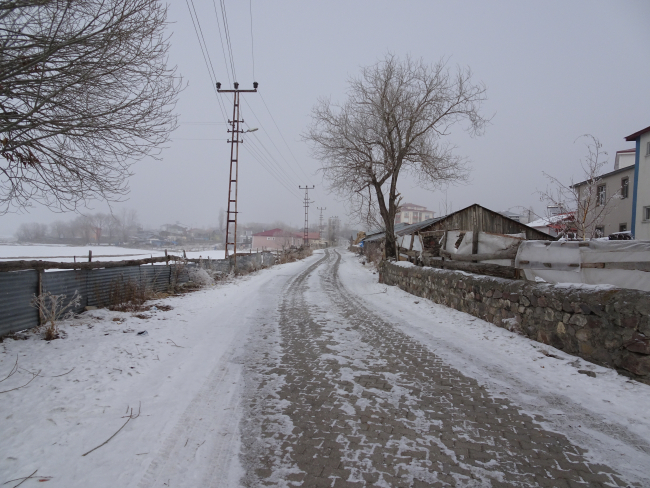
point(184, 380)
point(65, 254)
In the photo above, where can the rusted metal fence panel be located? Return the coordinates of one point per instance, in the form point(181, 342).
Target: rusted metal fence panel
point(94, 285)
point(155, 278)
point(67, 283)
point(100, 281)
point(16, 291)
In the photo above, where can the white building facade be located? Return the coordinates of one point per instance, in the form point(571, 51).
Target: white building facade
point(409, 213)
point(641, 186)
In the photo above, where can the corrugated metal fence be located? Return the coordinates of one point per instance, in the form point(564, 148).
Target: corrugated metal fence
point(18, 287)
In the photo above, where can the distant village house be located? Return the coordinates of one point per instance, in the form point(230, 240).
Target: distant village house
point(409, 213)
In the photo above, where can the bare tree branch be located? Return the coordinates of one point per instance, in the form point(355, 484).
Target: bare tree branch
point(85, 91)
point(587, 206)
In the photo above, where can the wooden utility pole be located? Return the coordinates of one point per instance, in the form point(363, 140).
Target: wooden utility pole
point(233, 181)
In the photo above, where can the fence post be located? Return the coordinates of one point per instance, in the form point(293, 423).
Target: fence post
point(166, 258)
point(184, 255)
point(90, 256)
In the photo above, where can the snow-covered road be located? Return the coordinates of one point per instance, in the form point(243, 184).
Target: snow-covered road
point(313, 374)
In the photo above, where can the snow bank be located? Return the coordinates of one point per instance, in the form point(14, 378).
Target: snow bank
point(606, 414)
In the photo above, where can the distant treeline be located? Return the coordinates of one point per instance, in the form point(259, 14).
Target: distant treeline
point(96, 227)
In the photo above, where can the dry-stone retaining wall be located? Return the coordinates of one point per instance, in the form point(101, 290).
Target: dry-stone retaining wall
point(608, 326)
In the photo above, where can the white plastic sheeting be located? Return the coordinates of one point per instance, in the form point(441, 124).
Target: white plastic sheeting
point(566, 260)
point(487, 244)
point(405, 242)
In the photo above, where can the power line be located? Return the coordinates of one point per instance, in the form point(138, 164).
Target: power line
point(281, 174)
point(223, 50)
point(276, 147)
point(224, 17)
point(200, 43)
point(272, 158)
point(211, 72)
point(250, 9)
point(195, 139)
point(269, 170)
point(204, 43)
point(203, 123)
point(280, 132)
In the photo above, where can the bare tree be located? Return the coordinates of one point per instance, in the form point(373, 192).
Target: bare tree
point(100, 222)
point(586, 201)
point(60, 229)
point(84, 92)
point(394, 121)
point(82, 227)
point(128, 223)
point(31, 232)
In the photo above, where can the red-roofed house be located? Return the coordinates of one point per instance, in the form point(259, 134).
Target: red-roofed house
point(276, 239)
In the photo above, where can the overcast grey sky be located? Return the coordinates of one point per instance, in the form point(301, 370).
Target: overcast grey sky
point(554, 70)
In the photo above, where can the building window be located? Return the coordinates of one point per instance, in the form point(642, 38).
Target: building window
point(646, 214)
point(600, 231)
point(601, 195)
point(622, 227)
point(647, 149)
point(625, 187)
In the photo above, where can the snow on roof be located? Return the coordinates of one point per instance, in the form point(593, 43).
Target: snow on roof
point(546, 221)
point(272, 233)
point(412, 206)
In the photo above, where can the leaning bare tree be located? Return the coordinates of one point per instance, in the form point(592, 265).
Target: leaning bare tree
point(588, 202)
point(85, 91)
point(395, 120)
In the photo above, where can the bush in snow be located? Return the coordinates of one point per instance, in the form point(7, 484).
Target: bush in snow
point(52, 309)
point(200, 276)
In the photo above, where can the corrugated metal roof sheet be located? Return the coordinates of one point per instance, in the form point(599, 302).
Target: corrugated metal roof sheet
point(379, 235)
point(410, 229)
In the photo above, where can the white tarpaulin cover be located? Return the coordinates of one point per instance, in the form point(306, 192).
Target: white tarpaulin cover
point(487, 244)
point(405, 242)
point(561, 262)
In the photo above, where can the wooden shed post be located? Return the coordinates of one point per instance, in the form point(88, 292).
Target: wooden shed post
point(444, 241)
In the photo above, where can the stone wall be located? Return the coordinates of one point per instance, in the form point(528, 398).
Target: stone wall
point(607, 326)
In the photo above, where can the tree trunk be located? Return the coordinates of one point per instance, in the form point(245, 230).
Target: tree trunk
point(391, 242)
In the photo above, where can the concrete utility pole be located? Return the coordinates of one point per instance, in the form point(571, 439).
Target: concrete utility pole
point(320, 223)
point(231, 216)
point(305, 237)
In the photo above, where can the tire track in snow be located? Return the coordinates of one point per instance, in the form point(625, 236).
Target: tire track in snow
point(346, 399)
point(197, 434)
